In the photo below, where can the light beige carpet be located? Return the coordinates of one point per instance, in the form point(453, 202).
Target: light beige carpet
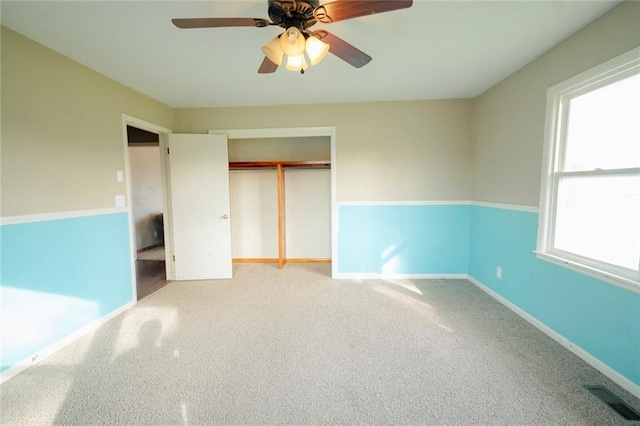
point(293, 346)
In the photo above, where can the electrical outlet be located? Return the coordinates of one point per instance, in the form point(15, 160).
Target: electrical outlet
point(155, 234)
point(499, 272)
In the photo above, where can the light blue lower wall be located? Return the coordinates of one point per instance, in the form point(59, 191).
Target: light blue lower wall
point(59, 276)
point(403, 239)
point(601, 318)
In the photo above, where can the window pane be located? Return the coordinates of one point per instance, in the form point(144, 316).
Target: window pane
point(599, 218)
point(604, 128)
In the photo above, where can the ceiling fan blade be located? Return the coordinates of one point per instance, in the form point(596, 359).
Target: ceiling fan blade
point(219, 22)
point(346, 9)
point(344, 50)
point(267, 66)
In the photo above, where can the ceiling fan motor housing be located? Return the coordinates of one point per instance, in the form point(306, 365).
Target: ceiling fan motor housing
point(291, 13)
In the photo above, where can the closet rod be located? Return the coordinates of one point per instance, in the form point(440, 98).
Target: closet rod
point(275, 164)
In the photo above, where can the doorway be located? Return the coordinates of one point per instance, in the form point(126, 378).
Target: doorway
point(146, 195)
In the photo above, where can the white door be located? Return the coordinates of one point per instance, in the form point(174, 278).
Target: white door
point(199, 173)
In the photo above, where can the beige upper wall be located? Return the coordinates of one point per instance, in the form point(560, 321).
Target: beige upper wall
point(387, 151)
point(62, 135)
point(509, 118)
point(313, 148)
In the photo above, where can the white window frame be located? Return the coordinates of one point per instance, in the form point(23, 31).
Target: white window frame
point(558, 96)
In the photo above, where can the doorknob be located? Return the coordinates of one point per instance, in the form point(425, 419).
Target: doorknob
point(226, 216)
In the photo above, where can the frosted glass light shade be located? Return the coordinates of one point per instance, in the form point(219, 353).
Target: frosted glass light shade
point(316, 49)
point(273, 51)
point(292, 42)
point(297, 63)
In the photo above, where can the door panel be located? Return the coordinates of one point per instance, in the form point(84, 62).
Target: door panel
point(199, 170)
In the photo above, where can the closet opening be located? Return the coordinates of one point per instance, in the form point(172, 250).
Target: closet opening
point(281, 199)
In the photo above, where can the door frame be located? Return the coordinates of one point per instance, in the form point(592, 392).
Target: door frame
point(296, 132)
point(162, 132)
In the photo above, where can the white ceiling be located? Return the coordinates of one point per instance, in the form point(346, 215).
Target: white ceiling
point(433, 50)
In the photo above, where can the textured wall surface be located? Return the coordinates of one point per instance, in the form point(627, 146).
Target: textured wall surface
point(600, 318)
point(387, 151)
point(404, 239)
point(59, 276)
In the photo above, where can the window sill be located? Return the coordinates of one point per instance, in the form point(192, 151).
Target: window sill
point(611, 278)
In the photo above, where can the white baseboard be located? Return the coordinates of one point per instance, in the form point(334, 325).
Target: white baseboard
point(383, 276)
point(577, 350)
point(51, 349)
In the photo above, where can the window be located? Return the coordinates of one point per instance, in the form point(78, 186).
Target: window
point(590, 192)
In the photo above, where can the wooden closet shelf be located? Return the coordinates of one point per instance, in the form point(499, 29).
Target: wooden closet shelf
point(275, 164)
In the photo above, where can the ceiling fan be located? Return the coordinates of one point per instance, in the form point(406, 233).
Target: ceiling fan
point(298, 44)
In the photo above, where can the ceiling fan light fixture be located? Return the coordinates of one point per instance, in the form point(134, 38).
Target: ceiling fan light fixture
point(297, 63)
point(296, 17)
point(292, 42)
point(273, 51)
point(316, 49)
